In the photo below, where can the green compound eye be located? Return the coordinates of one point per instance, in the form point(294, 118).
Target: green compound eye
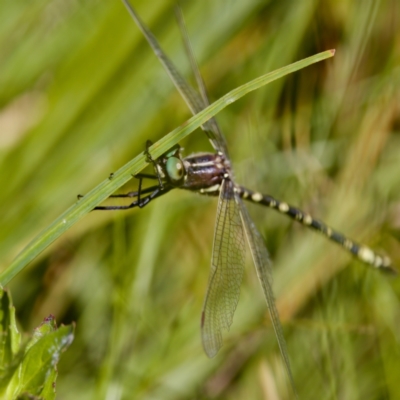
point(174, 168)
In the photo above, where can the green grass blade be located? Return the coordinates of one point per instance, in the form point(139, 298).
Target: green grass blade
point(124, 174)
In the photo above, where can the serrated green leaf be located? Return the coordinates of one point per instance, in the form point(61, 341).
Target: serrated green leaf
point(49, 390)
point(10, 338)
point(37, 372)
point(48, 325)
point(15, 335)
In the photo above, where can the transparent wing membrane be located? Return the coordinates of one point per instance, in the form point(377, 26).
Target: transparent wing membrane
point(226, 271)
point(211, 127)
point(191, 97)
point(262, 264)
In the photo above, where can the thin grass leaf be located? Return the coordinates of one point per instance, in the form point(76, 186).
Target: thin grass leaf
point(124, 174)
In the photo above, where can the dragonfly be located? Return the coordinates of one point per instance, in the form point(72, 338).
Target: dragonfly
point(211, 174)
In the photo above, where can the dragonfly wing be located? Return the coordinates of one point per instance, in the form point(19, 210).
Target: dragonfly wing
point(226, 271)
point(262, 263)
point(191, 97)
point(211, 127)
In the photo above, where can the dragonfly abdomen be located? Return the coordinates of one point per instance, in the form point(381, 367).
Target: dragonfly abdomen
point(362, 252)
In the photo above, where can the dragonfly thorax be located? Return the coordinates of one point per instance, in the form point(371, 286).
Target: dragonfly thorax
point(205, 172)
point(201, 172)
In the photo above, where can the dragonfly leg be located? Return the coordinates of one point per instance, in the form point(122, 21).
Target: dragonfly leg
point(156, 193)
point(145, 176)
point(140, 190)
point(133, 194)
point(151, 160)
point(139, 202)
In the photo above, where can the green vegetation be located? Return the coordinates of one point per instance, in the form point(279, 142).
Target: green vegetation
point(81, 92)
point(29, 368)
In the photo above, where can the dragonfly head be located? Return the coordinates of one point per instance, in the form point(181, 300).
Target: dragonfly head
point(171, 166)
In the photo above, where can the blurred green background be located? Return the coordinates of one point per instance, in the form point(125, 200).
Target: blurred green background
point(81, 92)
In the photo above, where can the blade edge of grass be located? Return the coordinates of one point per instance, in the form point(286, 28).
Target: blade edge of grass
point(125, 173)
